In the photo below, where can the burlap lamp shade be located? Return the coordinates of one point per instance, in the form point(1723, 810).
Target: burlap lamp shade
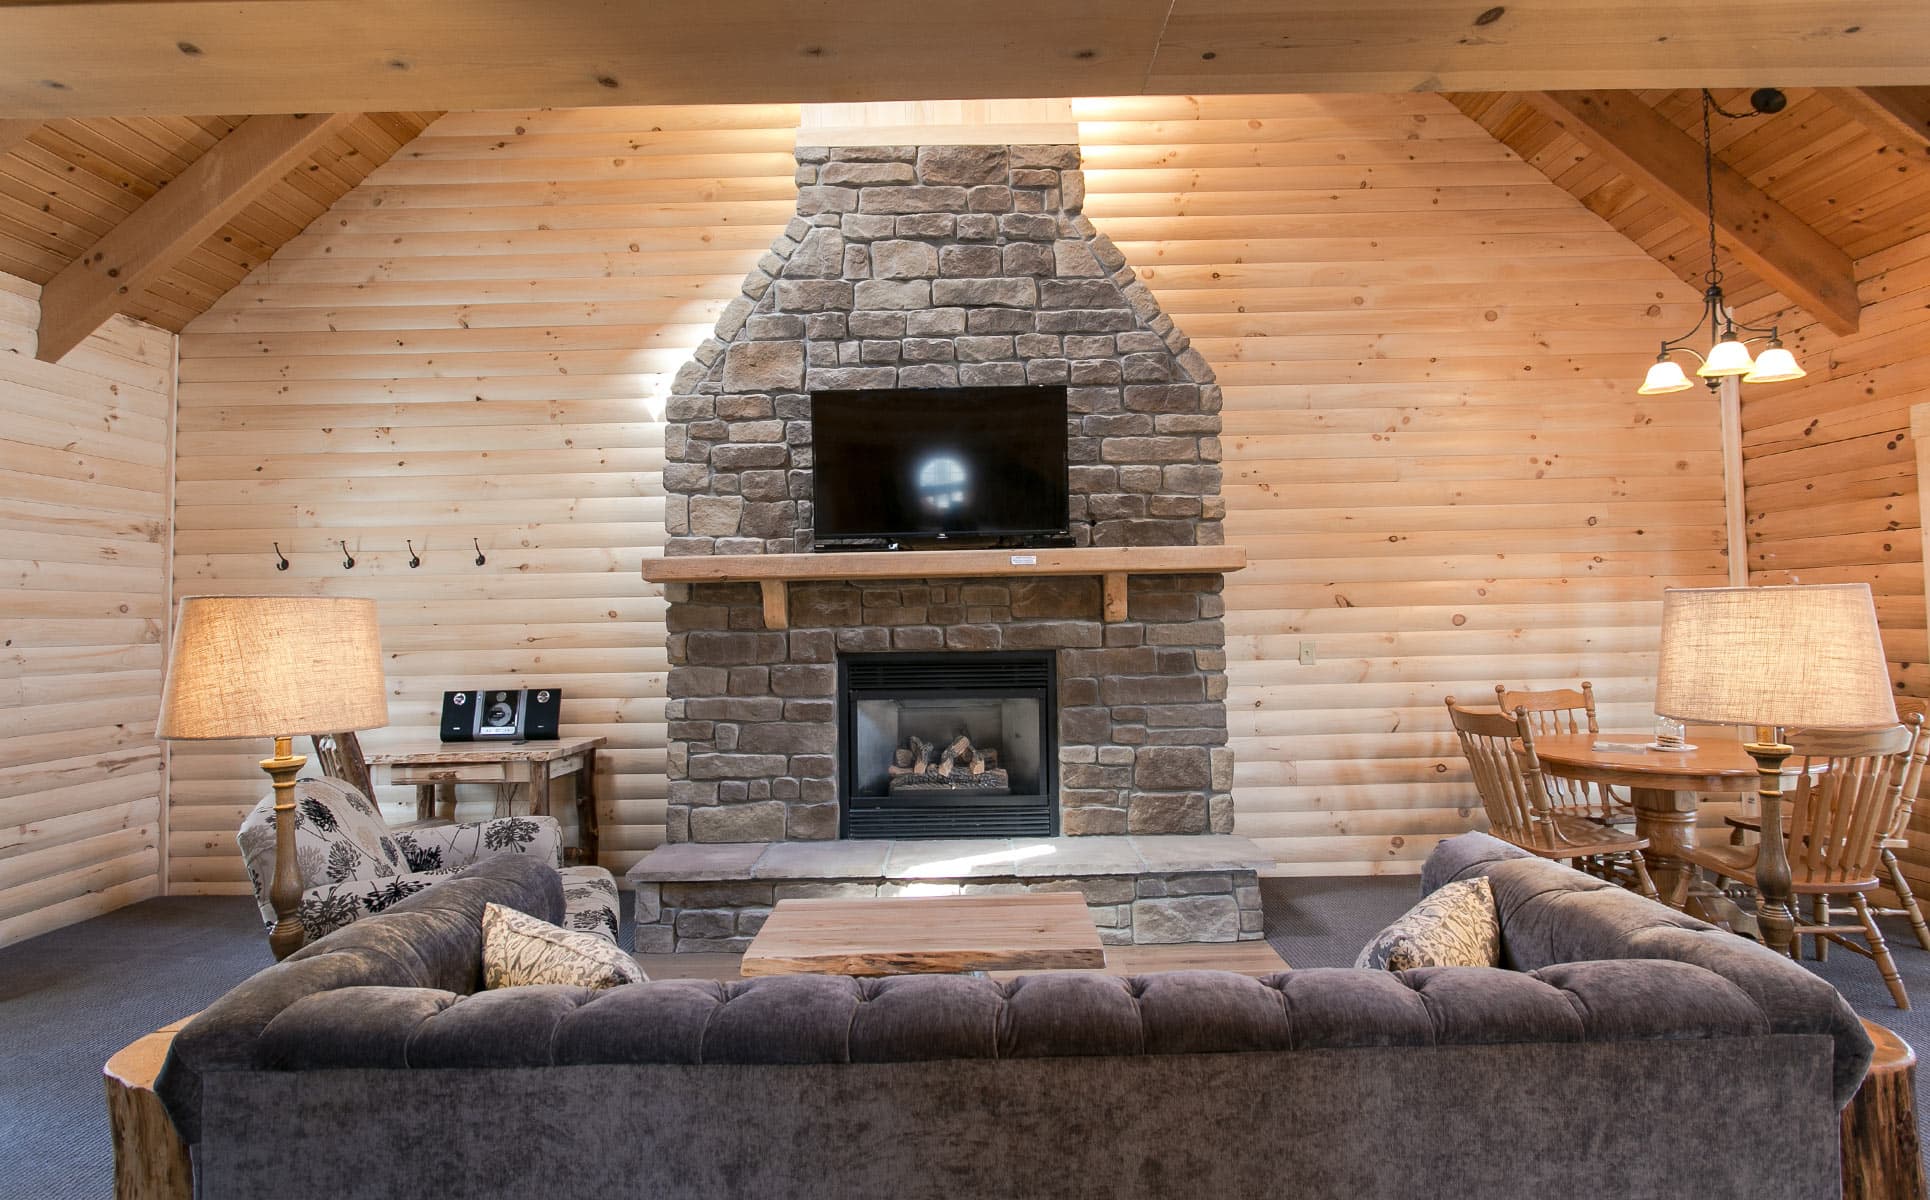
point(265, 666)
point(1805, 657)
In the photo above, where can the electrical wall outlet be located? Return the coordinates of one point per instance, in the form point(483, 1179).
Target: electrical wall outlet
point(1307, 658)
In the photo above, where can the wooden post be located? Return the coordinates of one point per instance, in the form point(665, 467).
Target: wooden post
point(1735, 513)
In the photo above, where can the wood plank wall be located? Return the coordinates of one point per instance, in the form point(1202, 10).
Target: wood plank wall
point(84, 448)
point(1434, 452)
point(1433, 447)
point(474, 344)
point(1831, 471)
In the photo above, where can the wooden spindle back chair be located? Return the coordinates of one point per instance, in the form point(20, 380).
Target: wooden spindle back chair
point(1500, 749)
point(1897, 837)
point(1848, 791)
point(1559, 711)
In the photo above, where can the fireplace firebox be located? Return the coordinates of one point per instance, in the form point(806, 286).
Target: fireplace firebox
point(947, 745)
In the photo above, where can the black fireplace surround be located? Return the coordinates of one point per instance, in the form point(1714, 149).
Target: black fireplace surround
point(948, 745)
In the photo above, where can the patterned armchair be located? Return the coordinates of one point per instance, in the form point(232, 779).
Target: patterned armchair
point(351, 864)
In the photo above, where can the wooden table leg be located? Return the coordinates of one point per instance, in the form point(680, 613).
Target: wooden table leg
point(539, 790)
point(1882, 1158)
point(425, 801)
point(1667, 820)
point(150, 1159)
point(587, 830)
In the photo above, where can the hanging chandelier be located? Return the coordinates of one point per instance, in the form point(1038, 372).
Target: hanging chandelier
point(1729, 355)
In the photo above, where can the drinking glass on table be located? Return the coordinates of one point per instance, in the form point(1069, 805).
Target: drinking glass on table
point(1668, 733)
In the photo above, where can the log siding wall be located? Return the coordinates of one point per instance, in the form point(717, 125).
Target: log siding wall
point(1434, 451)
point(1831, 469)
point(83, 617)
point(1432, 445)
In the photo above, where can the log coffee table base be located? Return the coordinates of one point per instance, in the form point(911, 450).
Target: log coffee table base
point(1882, 1158)
point(150, 1159)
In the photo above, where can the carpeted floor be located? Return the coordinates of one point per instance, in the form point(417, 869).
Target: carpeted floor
point(71, 998)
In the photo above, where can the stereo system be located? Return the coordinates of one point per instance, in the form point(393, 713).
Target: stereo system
point(480, 716)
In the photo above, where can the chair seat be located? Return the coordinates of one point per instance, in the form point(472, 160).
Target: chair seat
point(1739, 863)
point(1565, 836)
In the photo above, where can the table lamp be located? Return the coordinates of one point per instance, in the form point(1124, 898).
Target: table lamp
point(274, 667)
point(1776, 658)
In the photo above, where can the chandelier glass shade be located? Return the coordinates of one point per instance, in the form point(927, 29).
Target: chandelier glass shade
point(1729, 354)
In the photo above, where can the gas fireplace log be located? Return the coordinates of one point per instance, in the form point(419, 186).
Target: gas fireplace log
point(977, 763)
point(901, 757)
point(994, 783)
point(960, 747)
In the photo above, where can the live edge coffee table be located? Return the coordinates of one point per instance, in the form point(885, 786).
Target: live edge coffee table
point(911, 935)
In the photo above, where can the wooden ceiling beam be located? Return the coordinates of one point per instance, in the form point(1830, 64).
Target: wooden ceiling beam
point(1802, 264)
point(197, 202)
point(1897, 114)
point(12, 133)
point(84, 58)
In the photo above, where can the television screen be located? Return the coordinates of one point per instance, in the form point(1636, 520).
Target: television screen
point(938, 463)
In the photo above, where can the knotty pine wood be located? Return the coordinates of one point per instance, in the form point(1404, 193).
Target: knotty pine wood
point(1434, 454)
point(474, 343)
point(89, 56)
point(1830, 470)
point(83, 617)
point(1856, 182)
point(72, 181)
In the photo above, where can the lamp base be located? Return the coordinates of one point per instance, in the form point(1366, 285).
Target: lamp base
point(1774, 914)
point(285, 890)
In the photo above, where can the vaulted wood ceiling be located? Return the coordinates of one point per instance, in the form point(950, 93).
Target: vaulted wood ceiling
point(1838, 175)
point(1857, 179)
point(65, 185)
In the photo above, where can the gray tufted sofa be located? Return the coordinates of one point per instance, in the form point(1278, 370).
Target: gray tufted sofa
point(1629, 1052)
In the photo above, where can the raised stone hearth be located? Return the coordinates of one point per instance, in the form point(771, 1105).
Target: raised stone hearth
point(1139, 890)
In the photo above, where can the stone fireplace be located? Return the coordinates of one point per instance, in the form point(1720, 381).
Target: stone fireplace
point(939, 267)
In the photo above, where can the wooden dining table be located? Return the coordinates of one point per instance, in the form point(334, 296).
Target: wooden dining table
point(1663, 786)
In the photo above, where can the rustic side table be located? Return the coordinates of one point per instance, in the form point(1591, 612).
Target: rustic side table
point(506, 764)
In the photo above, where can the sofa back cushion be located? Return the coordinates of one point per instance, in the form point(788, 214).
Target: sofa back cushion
point(1551, 914)
point(431, 940)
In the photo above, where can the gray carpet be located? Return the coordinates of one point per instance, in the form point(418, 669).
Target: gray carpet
point(71, 998)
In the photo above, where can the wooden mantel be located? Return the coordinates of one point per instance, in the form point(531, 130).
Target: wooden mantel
point(775, 572)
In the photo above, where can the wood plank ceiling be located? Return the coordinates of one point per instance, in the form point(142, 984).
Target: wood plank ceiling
point(90, 57)
point(65, 184)
point(1851, 165)
point(1860, 185)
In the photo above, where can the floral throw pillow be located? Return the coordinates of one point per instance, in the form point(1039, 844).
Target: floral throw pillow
point(1455, 926)
point(520, 950)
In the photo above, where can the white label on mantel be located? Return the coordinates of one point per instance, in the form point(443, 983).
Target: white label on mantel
point(1025, 560)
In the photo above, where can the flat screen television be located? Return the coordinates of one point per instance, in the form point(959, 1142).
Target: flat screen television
point(902, 466)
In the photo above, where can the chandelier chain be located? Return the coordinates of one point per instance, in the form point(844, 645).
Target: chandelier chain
point(1714, 277)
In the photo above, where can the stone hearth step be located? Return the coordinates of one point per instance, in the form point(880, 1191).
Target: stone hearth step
point(706, 897)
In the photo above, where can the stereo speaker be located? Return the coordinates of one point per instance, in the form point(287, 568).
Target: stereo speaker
point(501, 714)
